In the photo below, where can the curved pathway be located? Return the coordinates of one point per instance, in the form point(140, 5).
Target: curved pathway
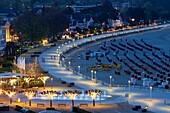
point(144, 97)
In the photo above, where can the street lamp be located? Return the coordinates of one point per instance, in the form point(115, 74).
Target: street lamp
point(92, 75)
point(62, 61)
point(51, 82)
point(73, 42)
point(59, 49)
point(110, 81)
point(133, 19)
point(129, 85)
point(79, 69)
point(95, 76)
point(150, 92)
point(69, 64)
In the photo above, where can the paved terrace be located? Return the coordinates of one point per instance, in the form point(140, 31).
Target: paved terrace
point(138, 96)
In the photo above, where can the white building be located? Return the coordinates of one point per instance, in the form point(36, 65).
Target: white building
point(77, 9)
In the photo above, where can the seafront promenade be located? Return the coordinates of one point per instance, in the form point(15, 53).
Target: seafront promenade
point(138, 96)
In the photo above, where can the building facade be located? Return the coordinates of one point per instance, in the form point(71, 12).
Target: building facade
point(2, 40)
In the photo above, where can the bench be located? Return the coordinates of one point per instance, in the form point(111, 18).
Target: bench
point(61, 105)
point(40, 104)
point(83, 104)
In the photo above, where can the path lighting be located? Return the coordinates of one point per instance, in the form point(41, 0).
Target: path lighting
point(150, 92)
point(30, 94)
point(58, 49)
point(95, 76)
point(50, 95)
point(10, 93)
point(51, 82)
point(133, 19)
point(44, 79)
point(78, 69)
point(93, 94)
point(69, 64)
point(62, 61)
point(92, 75)
point(110, 81)
point(73, 42)
point(72, 95)
point(129, 86)
point(59, 59)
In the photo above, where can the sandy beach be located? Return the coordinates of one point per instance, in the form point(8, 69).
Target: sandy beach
point(159, 38)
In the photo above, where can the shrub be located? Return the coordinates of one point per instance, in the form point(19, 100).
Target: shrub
point(36, 83)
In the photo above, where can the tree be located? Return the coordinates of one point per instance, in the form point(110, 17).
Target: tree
point(32, 26)
point(4, 4)
point(148, 8)
point(33, 69)
point(134, 13)
point(55, 20)
point(68, 10)
point(107, 11)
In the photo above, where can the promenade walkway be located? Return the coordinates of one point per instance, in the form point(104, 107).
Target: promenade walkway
point(138, 96)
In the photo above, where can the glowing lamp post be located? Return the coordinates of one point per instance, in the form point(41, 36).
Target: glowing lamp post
point(129, 86)
point(110, 81)
point(59, 49)
point(72, 95)
point(51, 82)
point(10, 93)
point(133, 19)
point(79, 69)
point(30, 94)
point(92, 75)
point(69, 64)
point(50, 95)
point(44, 79)
point(95, 76)
point(150, 92)
point(93, 94)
